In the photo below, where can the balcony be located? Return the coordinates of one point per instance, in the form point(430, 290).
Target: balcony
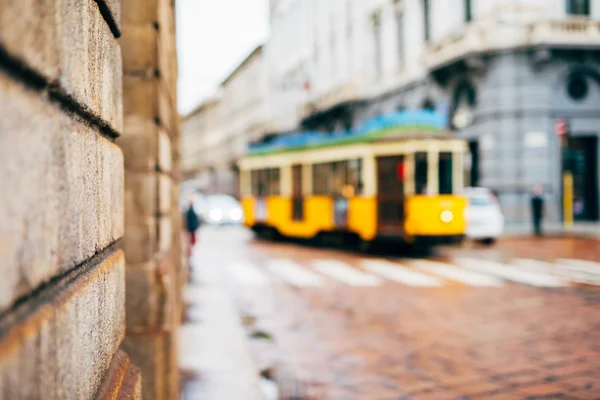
point(490, 36)
point(342, 94)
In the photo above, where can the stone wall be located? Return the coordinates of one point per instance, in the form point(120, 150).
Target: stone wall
point(152, 222)
point(89, 231)
point(62, 292)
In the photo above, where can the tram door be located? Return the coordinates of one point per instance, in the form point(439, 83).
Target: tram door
point(584, 164)
point(297, 198)
point(390, 194)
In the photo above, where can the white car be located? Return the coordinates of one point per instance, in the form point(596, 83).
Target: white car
point(485, 221)
point(220, 209)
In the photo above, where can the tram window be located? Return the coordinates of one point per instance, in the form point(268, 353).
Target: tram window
point(265, 182)
point(321, 178)
point(338, 178)
point(274, 182)
point(355, 176)
point(445, 173)
point(421, 173)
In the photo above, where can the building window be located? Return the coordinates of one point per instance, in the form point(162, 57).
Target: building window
point(426, 22)
point(445, 173)
point(577, 87)
point(400, 35)
point(578, 7)
point(468, 11)
point(428, 105)
point(377, 39)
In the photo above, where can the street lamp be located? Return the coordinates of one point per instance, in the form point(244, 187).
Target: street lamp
point(462, 118)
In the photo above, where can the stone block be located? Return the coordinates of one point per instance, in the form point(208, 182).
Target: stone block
point(140, 96)
point(155, 354)
point(60, 342)
point(167, 49)
point(165, 234)
point(148, 297)
point(123, 381)
point(113, 13)
point(139, 46)
point(66, 192)
point(28, 33)
point(164, 194)
point(167, 111)
point(142, 195)
point(140, 143)
point(164, 152)
point(90, 62)
point(140, 241)
point(139, 12)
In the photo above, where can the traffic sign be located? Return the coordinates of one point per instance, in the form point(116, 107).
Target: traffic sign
point(562, 127)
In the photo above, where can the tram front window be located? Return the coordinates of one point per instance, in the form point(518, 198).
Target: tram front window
point(421, 173)
point(445, 173)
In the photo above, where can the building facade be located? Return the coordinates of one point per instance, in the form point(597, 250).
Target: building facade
point(90, 295)
point(217, 132)
point(504, 71)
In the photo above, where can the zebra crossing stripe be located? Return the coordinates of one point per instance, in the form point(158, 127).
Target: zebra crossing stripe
point(564, 271)
point(511, 273)
point(294, 274)
point(344, 273)
point(247, 273)
point(453, 273)
point(398, 273)
point(590, 267)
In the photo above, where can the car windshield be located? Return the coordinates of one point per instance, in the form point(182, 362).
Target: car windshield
point(479, 200)
point(222, 201)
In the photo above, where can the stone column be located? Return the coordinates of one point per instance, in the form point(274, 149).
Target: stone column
point(152, 221)
point(62, 286)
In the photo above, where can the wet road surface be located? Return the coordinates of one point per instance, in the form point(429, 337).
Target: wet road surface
point(518, 320)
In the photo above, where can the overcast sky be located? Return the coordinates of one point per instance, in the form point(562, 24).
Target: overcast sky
point(213, 36)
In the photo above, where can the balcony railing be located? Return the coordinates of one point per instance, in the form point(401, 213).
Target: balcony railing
point(488, 36)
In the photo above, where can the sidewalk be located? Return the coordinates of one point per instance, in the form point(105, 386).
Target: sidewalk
point(583, 229)
point(213, 349)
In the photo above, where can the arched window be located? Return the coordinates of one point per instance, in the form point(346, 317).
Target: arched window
point(578, 7)
point(428, 105)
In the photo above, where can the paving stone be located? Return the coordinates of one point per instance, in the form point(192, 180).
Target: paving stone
point(59, 344)
point(471, 343)
point(66, 192)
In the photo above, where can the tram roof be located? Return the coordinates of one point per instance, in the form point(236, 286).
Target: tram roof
point(403, 125)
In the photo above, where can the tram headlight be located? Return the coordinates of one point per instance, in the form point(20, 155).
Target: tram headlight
point(446, 216)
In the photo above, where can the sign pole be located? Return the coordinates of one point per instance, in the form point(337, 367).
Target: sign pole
point(562, 130)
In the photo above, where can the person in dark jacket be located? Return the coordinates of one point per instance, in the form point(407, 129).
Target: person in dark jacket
point(192, 223)
point(537, 208)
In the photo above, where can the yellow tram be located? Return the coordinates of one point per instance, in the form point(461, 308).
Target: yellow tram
point(399, 181)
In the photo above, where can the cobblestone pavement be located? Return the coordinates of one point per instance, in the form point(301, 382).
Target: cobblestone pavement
point(518, 320)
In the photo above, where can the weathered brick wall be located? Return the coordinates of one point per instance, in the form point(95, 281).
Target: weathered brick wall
point(152, 223)
point(62, 285)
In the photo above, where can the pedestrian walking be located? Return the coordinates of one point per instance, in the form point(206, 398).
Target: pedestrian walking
point(192, 223)
point(537, 208)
